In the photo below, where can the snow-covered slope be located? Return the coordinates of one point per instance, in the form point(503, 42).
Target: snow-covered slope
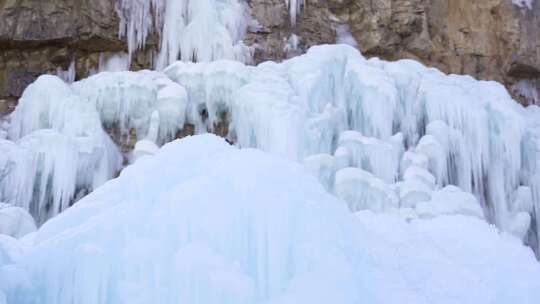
point(204, 222)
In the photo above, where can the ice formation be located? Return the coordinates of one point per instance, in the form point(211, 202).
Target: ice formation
point(114, 62)
point(523, 3)
point(223, 225)
point(344, 35)
point(15, 221)
point(294, 8)
point(58, 148)
point(69, 74)
point(408, 130)
point(527, 89)
point(202, 30)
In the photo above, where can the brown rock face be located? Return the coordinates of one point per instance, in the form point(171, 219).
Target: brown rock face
point(489, 39)
point(40, 36)
point(43, 36)
point(315, 25)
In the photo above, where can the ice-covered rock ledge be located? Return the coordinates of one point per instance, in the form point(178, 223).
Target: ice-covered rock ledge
point(205, 222)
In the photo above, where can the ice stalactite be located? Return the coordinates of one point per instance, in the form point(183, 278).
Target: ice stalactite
point(69, 74)
point(114, 62)
point(202, 30)
point(464, 132)
point(139, 19)
point(421, 136)
point(126, 101)
point(59, 148)
point(528, 90)
point(147, 145)
point(294, 7)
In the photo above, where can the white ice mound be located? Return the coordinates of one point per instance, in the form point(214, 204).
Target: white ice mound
point(204, 222)
point(450, 200)
point(15, 221)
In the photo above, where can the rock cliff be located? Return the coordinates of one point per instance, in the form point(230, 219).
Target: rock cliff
point(489, 39)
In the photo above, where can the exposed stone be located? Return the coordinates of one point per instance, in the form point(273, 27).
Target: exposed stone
point(489, 39)
point(313, 26)
point(42, 36)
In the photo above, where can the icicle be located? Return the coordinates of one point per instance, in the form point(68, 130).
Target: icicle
point(69, 74)
point(323, 167)
point(62, 148)
point(138, 19)
point(330, 109)
point(115, 62)
point(202, 30)
point(294, 8)
point(148, 146)
point(528, 90)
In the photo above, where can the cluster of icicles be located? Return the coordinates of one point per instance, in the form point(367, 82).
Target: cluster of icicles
point(202, 30)
point(191, 30)
point(385, 136)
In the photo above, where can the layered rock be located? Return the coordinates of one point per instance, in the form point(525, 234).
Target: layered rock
point(46, 36)
point(491, 39)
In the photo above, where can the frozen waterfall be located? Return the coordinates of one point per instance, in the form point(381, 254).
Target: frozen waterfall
point(410, 130)
point(201, 30)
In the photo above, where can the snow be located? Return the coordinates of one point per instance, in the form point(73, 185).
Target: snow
point(412, 192)
point(450, 200)
point(228, 225)
point(420, 174)
point(363, 191)
point(371, 154)
point(323, 167)
point(15, 221)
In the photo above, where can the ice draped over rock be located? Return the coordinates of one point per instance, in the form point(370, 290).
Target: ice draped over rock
point(58, 148)
point(294, 8)
point(384, 136)
point(190, 30)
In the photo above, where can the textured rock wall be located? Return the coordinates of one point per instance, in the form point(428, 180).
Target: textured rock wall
point(489, 39)
point(42, 36)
